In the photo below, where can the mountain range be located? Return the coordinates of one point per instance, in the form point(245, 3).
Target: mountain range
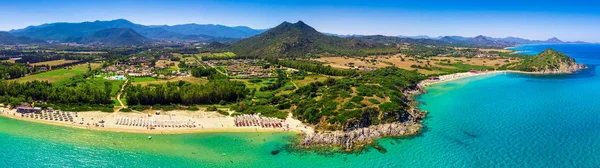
point(478, 41)
point(212, 30)
point(113, 37)
point(61, 31)
point(76, 32)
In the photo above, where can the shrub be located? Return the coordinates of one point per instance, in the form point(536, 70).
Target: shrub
point(254, 80)
point(193, 108)
point(223, 112)
point(125, 110)
point(357, 99)
point(139, 107)
point(211, 108)
point(374, 101)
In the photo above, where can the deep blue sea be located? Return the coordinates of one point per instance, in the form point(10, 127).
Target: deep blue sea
point(503, 120)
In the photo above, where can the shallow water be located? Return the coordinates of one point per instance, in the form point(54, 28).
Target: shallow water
point(504, 120)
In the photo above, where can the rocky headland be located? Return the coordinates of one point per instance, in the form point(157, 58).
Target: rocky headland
point(549, 62)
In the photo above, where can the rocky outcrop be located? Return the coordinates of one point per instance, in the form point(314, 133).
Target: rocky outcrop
point(357, 134)
point(359, 137)
point(562, 69)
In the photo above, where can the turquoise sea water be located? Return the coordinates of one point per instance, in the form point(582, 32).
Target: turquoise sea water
point(505, 120)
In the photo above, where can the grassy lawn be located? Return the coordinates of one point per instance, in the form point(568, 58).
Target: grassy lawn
point(116, 102)
point(58, 75)
point(143, 79)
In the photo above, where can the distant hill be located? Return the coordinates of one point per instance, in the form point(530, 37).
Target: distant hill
point(298, 40)
point(113, 37)
point(213, 30)
point(460, 41)
point(554, 40)
point(400, 40)
point(549, 61)
point(479, 41)
point(9, 39)
point(63, 31)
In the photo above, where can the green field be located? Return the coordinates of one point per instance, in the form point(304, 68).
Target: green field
point(58, 75)
point(99, 83)
point(150, 80)
point(143, 79)
point(224, 54)
point(257, 85)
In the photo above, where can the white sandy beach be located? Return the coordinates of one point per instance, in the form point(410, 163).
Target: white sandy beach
point(180, 121)
point(456, 76)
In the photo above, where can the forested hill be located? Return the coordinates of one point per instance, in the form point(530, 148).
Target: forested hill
point(301, 40)
point(113, 37)
point(549, 61)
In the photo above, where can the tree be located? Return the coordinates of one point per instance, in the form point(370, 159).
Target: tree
point(107, 89)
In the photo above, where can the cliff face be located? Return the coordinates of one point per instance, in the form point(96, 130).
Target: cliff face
point(563, 68)
point(549, 62)
point(358, 137)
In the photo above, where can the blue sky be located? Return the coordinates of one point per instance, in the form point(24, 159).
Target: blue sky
point(567, 20)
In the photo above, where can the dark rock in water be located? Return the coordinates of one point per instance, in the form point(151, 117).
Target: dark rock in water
point(379, 148)
point(275, 152)
point(471, 135)
point(458, 141)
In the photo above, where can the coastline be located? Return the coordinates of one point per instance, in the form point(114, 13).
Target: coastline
point(211, 122)
point(456, 76)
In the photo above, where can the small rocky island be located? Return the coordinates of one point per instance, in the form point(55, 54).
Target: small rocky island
point(549, 62)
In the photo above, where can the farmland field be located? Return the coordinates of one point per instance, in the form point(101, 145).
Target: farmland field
point(54, 62)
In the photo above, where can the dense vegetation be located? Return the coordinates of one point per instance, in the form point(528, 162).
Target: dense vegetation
point(14, 93)
point(215, 91)
point(11, 71)
point(202, 71)
point(342, 103)
point(311, 66)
